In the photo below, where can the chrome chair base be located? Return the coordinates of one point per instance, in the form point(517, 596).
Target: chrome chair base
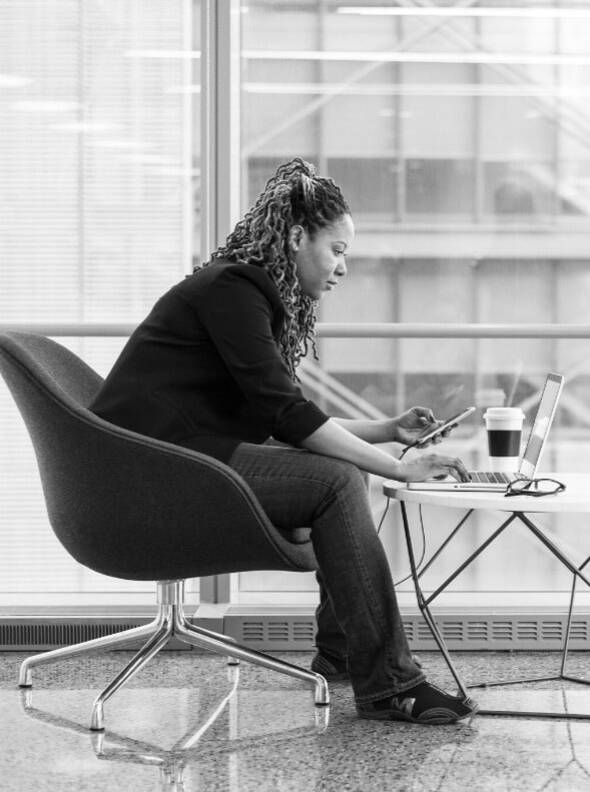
point(170, 622)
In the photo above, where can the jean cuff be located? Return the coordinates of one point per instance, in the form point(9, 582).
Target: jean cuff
point(394, 691)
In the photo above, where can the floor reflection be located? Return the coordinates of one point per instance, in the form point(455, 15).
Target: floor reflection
point(206, 755)
point(225, 736)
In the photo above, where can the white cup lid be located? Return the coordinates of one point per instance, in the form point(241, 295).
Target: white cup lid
point(503, 412)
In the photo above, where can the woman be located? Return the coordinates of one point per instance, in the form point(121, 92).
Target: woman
point(213, 368)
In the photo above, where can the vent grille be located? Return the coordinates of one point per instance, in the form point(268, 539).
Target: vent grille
point(502, 630)
point(423, 632)
point(579, 631)
point(452, 630)
point(30, 635)
point(552, 631)
point(304, 631)
point(36, 635)
point(278, 631)
point(464, 631)
point(297, 632)
point(272, 632)
point(477, 631)
point(253, 631)
point(527, 630)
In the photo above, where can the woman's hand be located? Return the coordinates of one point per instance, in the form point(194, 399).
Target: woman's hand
point(408, 426)
point(425, 466)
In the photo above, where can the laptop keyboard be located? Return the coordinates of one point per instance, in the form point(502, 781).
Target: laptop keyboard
point(490, 478)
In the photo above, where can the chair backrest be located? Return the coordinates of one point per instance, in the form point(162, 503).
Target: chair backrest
point(124, 504)
point(55, 366)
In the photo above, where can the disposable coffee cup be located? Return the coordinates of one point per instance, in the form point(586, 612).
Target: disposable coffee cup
point(504, 429)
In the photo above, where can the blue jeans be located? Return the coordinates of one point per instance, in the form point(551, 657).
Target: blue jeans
point(358, 616)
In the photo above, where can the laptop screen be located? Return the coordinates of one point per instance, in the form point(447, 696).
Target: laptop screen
point(540, 430)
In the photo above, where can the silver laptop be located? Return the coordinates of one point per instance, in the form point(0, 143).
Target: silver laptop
point(530, 460)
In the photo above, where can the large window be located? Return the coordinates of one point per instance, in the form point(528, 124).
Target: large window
point(460, 138)
point(96, 197)
point(459, 135)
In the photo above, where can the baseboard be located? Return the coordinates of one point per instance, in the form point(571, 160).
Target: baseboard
point(292, 629)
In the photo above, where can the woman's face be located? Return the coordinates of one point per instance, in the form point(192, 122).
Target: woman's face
point(320, 261)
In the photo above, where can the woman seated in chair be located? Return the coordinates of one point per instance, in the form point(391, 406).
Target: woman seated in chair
point(214, 368)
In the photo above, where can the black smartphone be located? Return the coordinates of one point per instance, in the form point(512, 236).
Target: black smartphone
point(447, 424)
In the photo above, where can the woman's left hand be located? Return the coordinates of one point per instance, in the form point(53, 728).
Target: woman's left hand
point(411, 424)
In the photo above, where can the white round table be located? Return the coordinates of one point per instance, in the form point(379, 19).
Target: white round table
point(576, 497)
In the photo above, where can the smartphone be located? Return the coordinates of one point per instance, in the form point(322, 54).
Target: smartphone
point(447, 424)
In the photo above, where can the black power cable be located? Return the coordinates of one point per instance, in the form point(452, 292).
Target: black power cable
point(423, 531)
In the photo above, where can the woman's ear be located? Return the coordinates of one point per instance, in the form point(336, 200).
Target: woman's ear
point(295, 236)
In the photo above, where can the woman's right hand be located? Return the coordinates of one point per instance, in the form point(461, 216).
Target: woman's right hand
point(426, 466)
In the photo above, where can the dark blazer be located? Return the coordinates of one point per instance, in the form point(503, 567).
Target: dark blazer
point(204, 371)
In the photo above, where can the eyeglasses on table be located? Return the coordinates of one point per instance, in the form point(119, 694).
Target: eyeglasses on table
point(535, 488)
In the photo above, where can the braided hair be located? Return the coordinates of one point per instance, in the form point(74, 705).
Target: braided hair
point(295, 195)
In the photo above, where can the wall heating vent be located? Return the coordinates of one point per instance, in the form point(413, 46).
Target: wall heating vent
point(465, 631)
point(35, 635)
point(272, 632)
point(283, 632)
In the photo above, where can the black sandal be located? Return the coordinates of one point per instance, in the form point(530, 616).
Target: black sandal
point(425, 704)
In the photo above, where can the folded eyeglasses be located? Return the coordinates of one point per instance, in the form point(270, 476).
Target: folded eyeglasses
point(536, 488)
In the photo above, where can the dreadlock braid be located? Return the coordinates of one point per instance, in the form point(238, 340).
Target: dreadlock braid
point(295, 195)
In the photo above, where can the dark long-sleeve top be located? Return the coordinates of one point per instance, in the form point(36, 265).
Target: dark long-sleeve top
point(203, 370)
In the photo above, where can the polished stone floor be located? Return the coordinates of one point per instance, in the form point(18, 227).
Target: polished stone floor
point(189, 722)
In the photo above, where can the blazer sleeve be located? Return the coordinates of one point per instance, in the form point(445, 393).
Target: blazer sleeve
point(238, 318)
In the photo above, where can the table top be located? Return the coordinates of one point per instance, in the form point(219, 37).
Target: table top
point(576, 497)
